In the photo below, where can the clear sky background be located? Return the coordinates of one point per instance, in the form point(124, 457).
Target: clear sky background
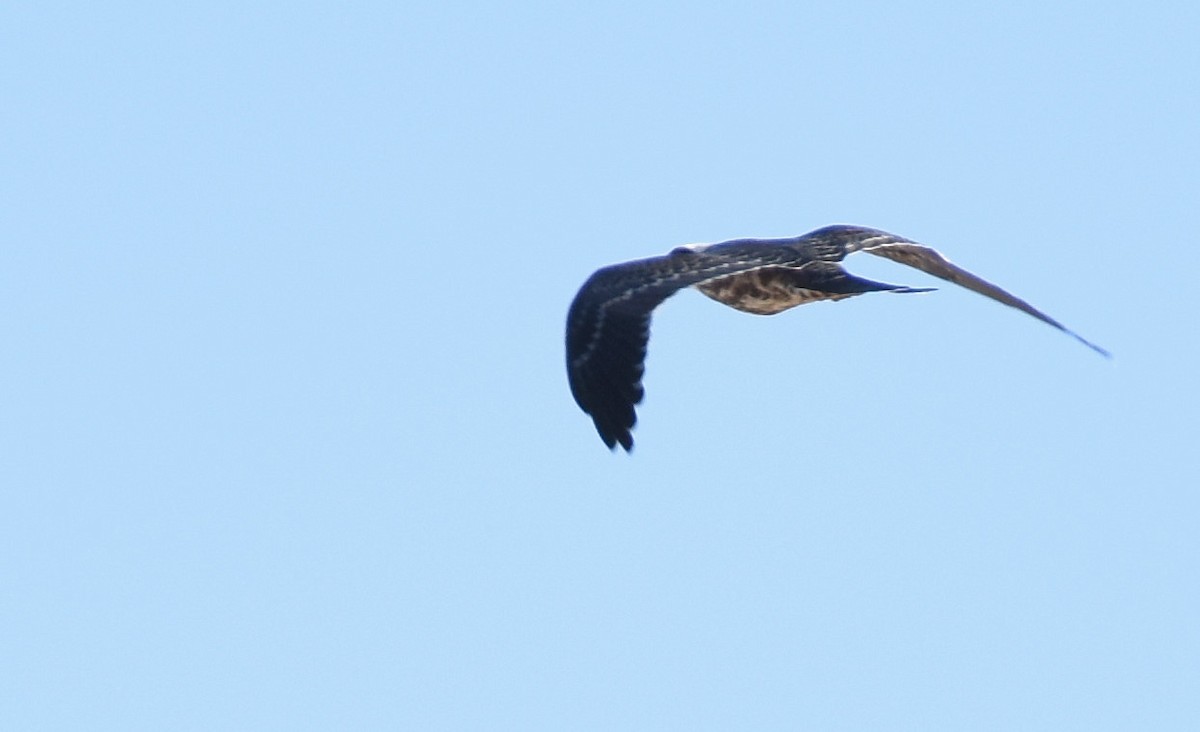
point(285, 434)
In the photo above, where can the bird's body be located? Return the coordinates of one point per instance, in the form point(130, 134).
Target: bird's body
point(609, 320)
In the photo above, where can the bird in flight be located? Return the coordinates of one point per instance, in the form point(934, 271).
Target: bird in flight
point(608, 324)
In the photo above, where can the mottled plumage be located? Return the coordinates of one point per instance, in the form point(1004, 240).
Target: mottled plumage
point(608, 325)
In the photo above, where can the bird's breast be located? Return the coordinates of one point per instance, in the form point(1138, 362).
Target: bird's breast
point(765, 291)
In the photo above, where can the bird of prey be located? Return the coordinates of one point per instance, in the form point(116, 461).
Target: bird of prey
point(608, 324)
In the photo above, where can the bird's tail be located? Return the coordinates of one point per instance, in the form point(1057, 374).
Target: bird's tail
point(848, 284)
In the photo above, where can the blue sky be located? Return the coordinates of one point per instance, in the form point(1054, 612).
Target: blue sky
point(285, 434)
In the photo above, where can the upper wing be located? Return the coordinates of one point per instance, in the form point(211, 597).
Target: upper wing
point(608, 327)
point(928, 260)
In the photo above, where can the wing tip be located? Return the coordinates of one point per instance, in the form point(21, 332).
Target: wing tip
point(1098, 349)
point(613, 438)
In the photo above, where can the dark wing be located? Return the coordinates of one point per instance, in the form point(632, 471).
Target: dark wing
point(608, 327)
point(930, 261)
